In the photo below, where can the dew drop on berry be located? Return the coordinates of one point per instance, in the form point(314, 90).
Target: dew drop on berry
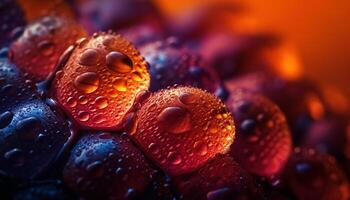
point(5, 119)
point(120, 85)
point(175, 120)
point(119, 62)
point(87, 82)
point(89, 57)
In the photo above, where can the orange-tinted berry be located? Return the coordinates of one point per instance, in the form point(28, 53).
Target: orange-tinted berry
point(100, 80)
point(182, 128)
point(263, 141)
point(38, 49)
point(312, 175)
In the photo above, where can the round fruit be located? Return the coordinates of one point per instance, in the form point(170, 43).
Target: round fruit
point(263, 141)
point(173, 63)
point(38, 49)
point(222, 178)
point(100, 80)
point(312, 175)
point(300, 100)
point(106, 166)
point(182, 128)
point(32, 135)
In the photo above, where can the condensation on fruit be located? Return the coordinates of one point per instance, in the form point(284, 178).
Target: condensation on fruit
point(100, 81)
point(182, 128)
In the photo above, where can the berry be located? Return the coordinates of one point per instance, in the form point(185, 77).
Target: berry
point(106, 166)
point(263, 141)
point(100, 80)
point(97, 15)
point(221, 178)
point(32, 135)
point(233, 55)
point(182, 128)
point(174, 63)
point(11, 21)
point(312, 175)
point(300, 100)
point(40, 46)
point(48, 190)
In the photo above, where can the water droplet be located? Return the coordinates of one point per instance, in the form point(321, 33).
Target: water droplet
point(5, 119)
point(136, 76)
point(221, 193)
point(87, 82)
point(28, 128)
point(174, 158)
point(153, 147)
point(187, 98)
point(201, 148)
point(15, 156)
point(120, 85)
point(118, 62)
point(46, 47)
point(71, 102)
point(175, 120)
point(83, 116)
point(101, 102)
point(248, 126)
point(89, 57)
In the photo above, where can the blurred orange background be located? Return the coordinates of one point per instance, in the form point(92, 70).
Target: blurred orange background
point(318, 29)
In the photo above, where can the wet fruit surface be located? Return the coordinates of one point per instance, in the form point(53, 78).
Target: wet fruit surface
point(312, 175)
point(263, 141)
point(107, 166)
point(32, 135)
point(182, 128)
point(99, 82)
point(174, 63)
point(38, 49)
point(221, 178)
point(308, 104)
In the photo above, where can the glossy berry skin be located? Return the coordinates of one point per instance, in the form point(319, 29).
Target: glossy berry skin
point(307, 102)
point(232, 55)
point(97, 15)
point(221, 178)
point(100, 80)
point(38, 49)
point(14, 87)
point(106, 166)
point(11, 20)
point(263, 141)
point(182, 128)
point(172, 63)
point(48, 189)
point(312, 175)
point(32, 135)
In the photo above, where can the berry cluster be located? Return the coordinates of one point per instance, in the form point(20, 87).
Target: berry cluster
point(112, 100)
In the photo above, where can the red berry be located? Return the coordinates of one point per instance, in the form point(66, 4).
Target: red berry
point(221, 178)
point(182, 128)
point(172, 63)
point(312, 175)
point(106, 166)
point(100, 80)
point(38, 49)
point(263, 141)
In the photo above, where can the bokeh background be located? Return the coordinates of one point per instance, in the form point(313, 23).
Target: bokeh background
point(318, 30)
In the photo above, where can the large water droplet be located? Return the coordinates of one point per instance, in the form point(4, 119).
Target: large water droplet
point(89, 57)
point(119, 62)
point(187, 98)
point(28, 128)
point(101, 102)
point(120, 85)
point(87, 82)
point(5, 119)
point(175, 120)
point(201, 148)
point(83, 116)
point(174, 158)
point(15, 156)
